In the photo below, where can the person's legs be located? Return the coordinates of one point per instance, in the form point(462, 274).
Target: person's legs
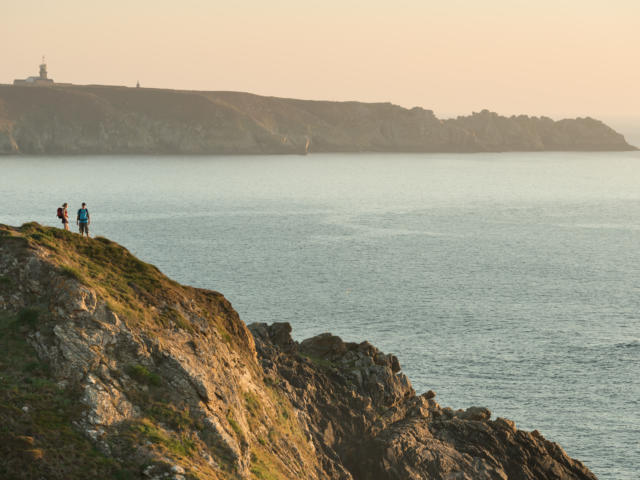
point(66, 226)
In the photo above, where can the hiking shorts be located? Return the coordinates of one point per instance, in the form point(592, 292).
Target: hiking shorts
point(84, 228)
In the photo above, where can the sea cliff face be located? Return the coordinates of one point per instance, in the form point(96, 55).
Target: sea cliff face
point(119, 120)
point(108, 369)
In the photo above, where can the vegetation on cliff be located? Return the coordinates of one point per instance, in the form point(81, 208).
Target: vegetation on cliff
point(118, 120)
point(108, 369)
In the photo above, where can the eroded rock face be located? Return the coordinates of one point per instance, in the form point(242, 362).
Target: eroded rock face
point(168, 382)
point(363, 410)
point(98, 120)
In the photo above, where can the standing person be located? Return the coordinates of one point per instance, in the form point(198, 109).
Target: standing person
point(63, 215)
point(83, 220)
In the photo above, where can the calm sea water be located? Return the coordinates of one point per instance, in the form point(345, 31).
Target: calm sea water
point(504, 280)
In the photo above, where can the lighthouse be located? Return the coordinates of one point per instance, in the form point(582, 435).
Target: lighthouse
point(40, 80)
point(43, 70)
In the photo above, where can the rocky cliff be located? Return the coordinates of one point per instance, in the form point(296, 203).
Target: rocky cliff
point(108, 369)
point(119, 120)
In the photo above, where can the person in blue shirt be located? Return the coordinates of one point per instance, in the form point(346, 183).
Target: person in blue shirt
point(83, 220)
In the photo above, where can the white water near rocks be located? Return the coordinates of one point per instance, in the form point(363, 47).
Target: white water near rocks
point(510, 281)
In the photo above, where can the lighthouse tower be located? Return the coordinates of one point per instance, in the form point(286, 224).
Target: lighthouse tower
point(43, 70)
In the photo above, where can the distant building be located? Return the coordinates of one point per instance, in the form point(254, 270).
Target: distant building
point(39, 80)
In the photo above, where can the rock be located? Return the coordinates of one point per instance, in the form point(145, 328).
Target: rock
point(474, 413)
point(149, 470)
point(325, 345)
point(400, 435)
point(505, 424)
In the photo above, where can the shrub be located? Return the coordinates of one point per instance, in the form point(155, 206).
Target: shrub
point(28, 316)
point(141, 374)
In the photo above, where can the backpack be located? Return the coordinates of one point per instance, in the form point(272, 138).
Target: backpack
point(60, 213)
point(83, 215)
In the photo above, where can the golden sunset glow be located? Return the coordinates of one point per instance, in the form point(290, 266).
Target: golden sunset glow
point(559, 58)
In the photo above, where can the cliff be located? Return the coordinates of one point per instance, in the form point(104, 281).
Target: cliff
point(119, 120)
point(108, 369)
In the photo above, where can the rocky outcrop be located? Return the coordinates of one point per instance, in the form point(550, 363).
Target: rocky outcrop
point(146, 378)
point(363, 409)
point(119, 120)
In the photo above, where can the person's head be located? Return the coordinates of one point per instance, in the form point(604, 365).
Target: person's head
point(65, 204)
point(84, 204)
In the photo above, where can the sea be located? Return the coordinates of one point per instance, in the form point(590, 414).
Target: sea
point(504, 280)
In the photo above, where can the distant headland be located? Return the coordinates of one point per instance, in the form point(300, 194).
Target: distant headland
point(39, 116)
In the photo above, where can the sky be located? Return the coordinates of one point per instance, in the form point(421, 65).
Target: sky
point(561, 58)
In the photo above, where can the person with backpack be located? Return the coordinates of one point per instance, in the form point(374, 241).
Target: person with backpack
point(63, 215)
point(83, 220)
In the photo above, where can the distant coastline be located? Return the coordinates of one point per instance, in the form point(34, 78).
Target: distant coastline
point(74, 119)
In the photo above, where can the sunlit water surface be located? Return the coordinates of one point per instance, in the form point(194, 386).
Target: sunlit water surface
point(504, 280)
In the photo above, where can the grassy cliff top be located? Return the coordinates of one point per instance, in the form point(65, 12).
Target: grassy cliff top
point(137, 291)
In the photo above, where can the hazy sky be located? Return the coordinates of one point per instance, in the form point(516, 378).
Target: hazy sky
point(555, 57)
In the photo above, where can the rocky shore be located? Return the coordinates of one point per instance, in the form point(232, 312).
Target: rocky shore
point(119, 120)
point(108, 369)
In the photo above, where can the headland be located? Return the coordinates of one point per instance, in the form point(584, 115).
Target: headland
point(43, 117)
point(109, 369)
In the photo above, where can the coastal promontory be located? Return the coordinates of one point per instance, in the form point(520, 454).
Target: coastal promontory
point(73, 119)
point(109, 369)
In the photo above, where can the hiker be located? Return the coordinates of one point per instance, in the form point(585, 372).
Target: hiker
point(64, 215)
point(83, 220)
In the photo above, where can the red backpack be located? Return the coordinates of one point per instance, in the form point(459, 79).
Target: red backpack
point(60, 212)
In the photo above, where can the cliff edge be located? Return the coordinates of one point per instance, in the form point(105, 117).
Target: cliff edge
point(108, 369)
point(119, 120)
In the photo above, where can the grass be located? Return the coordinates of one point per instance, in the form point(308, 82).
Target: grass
point(226, 338)
point(234, 425)
point(261, 468)
point(141, 374)
point(125, 282)
point(177, 418)
point(252, 403)
point(276, 419)
point(172, 315)
point(72, 273)
point(128, 285)
point(179, 444)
